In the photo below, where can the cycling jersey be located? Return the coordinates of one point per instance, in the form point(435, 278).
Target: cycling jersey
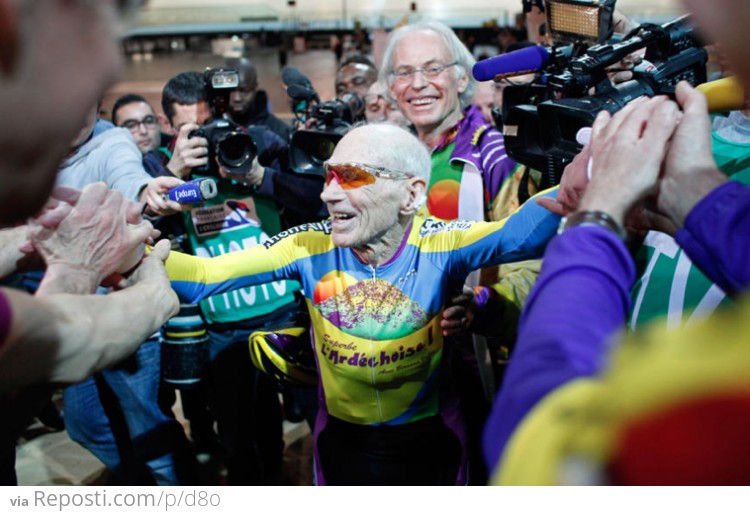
point(377, 336)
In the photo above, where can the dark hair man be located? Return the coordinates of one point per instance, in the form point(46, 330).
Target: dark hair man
point(356, 74)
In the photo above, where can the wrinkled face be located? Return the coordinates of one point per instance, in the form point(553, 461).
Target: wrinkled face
point(362, 216)
point(197, 113)
point(140, 120)
point(431, 104)
point(356, 78)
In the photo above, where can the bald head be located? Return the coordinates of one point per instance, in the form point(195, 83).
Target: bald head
point(241, 99)
point(385, 145)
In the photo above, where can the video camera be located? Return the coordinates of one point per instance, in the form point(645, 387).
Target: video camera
point(540, 121)
point(228, 143)
point(326, 122)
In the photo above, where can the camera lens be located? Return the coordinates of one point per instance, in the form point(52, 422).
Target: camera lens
point(236, 151)
point(322, 150)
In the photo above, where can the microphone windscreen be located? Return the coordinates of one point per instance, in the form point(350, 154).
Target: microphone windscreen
point(520, 62)
point(292, 76)
point(724, 95)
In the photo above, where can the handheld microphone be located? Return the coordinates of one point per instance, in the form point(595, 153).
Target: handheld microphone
point(724, 95)
point(298, 86)
point(520, 62)
point(194, 191)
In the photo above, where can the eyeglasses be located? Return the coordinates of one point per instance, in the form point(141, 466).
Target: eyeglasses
point(354, 175)
point(405, 73)
point(134, 124)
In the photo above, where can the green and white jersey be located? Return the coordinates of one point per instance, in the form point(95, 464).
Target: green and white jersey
point(670, 285)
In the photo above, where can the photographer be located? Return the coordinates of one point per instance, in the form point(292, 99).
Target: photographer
point(248, 209)
point(248, 104)
point(663, 407)
point(356, 74)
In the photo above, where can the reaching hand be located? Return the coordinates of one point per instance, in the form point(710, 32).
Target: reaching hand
point(572, 185)
point(153, 196)
point(690, 171)
point(92, 238)
point(627, 153)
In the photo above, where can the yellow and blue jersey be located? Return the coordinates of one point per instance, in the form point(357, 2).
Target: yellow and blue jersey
point(377, 337)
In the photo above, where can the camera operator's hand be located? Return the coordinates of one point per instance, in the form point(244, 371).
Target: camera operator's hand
point(253, 177)
point(188, 152)
point(572, 185)
point(690, 170)
point(627, 153)
point(153, 196)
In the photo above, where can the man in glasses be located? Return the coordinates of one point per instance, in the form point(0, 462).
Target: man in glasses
point(135, 114)
point(375, 279)
point(428, 73)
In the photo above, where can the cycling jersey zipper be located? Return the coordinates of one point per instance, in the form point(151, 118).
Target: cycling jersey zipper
point(372, 352)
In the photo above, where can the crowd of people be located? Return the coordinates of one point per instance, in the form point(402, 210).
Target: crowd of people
point(462, 322)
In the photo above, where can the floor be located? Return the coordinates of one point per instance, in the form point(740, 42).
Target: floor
point(47, 457)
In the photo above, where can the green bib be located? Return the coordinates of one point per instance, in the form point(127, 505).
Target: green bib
point(237, 219)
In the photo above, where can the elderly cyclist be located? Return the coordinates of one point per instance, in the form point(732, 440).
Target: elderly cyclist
point(375, 277)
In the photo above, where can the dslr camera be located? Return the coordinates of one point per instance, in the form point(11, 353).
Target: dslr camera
point(228, 142)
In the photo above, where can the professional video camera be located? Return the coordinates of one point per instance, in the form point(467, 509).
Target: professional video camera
point(540, 121)
point(228, 143)
point(325, 122)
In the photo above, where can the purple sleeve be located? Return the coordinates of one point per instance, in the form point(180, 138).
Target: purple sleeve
point(496, 165)
point(581, 299)
point(716, 236)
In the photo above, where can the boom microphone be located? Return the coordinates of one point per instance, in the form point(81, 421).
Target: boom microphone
point(520, 62)
point(298, 86)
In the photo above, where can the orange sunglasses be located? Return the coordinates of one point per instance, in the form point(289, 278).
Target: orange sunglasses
point(354, 175)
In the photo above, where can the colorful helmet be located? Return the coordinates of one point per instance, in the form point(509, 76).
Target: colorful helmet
point(285, 355)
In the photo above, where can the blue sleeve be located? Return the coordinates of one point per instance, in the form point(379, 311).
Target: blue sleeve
point(523, 235)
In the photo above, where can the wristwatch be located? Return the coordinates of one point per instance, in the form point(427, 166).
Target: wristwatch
point(591, 218)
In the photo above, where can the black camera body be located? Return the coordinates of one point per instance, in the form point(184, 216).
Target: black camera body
point(330, 120)
point(228, 142)
point(540, 121)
